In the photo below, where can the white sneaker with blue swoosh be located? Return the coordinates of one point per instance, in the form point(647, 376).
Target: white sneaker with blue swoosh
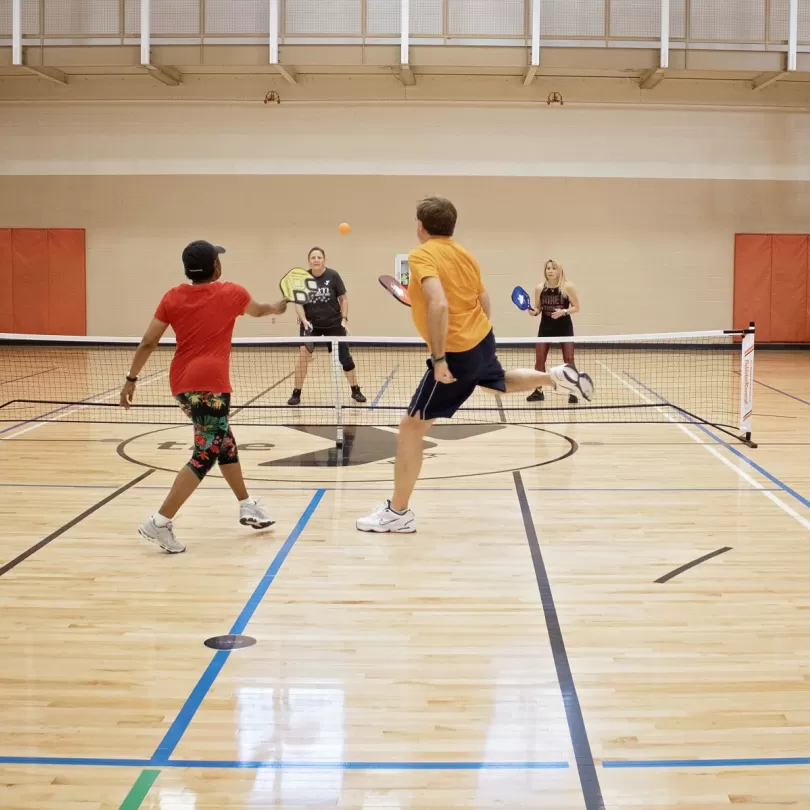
point(385, 519)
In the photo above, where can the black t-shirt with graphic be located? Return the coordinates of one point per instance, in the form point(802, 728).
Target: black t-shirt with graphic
point(323, 312)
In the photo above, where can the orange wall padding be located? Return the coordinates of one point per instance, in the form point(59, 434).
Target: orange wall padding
point(29, 280)
point(752, 282)
point(789, 289)
point(771, 284)
point(67, 291)
point(6, 304)
point(43, 281)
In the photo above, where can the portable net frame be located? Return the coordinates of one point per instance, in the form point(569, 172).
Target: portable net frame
point(688, 377)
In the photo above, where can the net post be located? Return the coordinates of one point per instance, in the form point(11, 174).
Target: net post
point(747, 384)
point(336, 372)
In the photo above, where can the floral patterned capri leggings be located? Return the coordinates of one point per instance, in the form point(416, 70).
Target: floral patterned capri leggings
point(213, 439)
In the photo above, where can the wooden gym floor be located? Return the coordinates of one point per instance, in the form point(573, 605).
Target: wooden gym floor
point(519, 651)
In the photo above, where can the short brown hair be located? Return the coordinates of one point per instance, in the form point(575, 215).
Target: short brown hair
point(438, 216)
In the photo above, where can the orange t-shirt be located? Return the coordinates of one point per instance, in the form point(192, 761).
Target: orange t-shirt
point(203, 317)
point(458, 271)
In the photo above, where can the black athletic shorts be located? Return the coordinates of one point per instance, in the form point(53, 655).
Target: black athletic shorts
point(562, 327)
point(328, 331)
point(477, 366)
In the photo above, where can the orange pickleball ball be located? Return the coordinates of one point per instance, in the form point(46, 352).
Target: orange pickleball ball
point(345, 228)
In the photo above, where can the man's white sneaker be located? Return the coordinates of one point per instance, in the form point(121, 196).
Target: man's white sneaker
point(385, 519)
point(573, 381)
point(162, 536)
point(252, 514)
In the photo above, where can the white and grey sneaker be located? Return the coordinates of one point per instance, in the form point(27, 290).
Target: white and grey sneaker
point(252, 514)
point(569, 379)
point(385, 519)
point(162, 536)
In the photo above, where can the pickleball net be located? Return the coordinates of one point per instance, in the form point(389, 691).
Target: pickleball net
point(688, 377)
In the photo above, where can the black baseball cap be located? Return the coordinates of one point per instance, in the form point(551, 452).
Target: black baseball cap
point(200, 256)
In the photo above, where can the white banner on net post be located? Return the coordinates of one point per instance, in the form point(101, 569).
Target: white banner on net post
point(747, 382)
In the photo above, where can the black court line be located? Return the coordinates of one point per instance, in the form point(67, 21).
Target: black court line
point(66, 441)
point(501, 411)
point(586, 768)
point(267, 390)
point(70, 524)
point(27, 376)
point(698, 561)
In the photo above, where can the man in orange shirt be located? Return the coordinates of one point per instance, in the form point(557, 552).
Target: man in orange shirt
point(202, 315)
point(451, 311)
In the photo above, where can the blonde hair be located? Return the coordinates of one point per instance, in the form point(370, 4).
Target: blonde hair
point(555, 265)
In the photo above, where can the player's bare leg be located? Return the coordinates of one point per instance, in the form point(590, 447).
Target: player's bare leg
point(232, 473)
point(526, 379)
point(301, 368)
point(408, 463)
point(158, 528)
point(394, 515)
point(251, 512)
point(183, 488)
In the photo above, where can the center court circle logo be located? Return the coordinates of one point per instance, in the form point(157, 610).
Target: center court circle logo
point(309, 455)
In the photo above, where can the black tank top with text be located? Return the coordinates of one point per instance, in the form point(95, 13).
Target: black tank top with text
point(552, 299)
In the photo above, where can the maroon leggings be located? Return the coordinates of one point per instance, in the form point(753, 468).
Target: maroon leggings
point(541, 353)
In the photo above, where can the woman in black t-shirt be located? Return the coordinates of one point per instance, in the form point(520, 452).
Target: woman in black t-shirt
point(327, 315)
point(555, 300)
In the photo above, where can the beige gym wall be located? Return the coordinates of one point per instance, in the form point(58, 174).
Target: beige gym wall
point(640, 204)
point(647, 255)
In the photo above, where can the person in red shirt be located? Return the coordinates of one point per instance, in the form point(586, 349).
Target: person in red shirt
point(202, 315)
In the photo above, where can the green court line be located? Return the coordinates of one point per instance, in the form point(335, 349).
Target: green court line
point(143, 784)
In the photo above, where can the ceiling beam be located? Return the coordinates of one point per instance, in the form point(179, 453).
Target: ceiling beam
point(49, 73)
point(405, 76)
point(766, 80)
point(166, 75)
point(287, 73)
point(650, 79)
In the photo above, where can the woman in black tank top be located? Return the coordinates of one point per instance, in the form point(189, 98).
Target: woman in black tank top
point(555, 300)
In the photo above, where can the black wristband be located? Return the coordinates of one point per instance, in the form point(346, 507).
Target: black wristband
point(132, 379)
point(441, 359)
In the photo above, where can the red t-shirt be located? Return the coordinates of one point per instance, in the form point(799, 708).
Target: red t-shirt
point(203, 317)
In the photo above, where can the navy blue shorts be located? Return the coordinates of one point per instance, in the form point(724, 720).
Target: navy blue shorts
point(477, 366)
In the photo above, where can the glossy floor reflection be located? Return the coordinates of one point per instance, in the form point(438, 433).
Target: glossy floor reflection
point(416, 671)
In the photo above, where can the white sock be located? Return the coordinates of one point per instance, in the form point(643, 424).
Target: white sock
point(395, 511)
point(246, 501)
point(160, 521)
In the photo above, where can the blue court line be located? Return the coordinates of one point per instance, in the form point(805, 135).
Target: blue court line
point(291, 765)
point(193, 702)
point(612, 764)
point(760, 469)
point(639, 489)
point(784, 393)
point(380, 766)
point(385, 385)
point(755, 762)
